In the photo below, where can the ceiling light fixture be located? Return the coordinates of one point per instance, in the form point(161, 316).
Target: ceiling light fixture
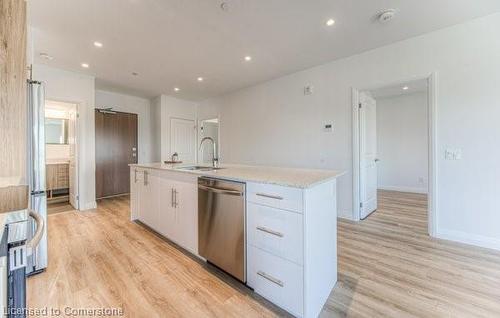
point(405, 88)
point(248, 58)
point(330, 22)
point(200, 79)
point(97, 44)
point(85, 65)
point(177, 89)
point(135, 73)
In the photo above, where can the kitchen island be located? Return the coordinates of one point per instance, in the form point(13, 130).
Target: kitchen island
point(290, 224)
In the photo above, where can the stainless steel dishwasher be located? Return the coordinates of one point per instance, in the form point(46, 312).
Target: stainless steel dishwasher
point(221, 225)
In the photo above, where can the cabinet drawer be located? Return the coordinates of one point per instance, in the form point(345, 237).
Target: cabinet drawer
point(276, 279)
point(278, 232)
point(275, 196)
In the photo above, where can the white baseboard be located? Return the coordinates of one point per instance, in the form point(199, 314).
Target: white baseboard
point(345, 214)
point(89, 206)
point(467, 238)
point(403, 189)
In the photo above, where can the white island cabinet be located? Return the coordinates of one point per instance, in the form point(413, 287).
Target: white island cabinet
point(291, 225)
point(167, 202)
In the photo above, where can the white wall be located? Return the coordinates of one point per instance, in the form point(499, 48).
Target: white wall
point(402, 143)
point(134, 105)
point(78, 89)
point(275, 124)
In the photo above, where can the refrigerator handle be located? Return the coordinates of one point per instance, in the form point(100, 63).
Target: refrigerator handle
point(40, 224)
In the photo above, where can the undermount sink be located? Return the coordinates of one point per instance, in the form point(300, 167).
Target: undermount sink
point(199, 168)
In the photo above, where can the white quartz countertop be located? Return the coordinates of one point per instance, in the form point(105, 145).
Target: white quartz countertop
point(290, 177)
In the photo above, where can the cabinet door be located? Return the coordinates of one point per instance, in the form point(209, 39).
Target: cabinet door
point(186, 202)
point(149, 200)
point(166, 218)
point(135, 184)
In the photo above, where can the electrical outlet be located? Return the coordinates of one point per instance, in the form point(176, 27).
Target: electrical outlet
point(328, 128)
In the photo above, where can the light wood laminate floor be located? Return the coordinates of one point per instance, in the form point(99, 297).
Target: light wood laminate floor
point(388, 267)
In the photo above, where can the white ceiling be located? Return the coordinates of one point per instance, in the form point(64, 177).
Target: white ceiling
point(172, 42)
point(416, 86)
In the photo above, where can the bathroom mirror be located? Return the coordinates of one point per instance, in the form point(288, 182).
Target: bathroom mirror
point(207, 128)
point(56, 131)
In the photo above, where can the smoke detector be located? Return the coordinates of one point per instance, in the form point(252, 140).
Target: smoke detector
point(386, 15)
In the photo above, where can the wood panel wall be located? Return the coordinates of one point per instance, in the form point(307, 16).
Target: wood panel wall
point(13, 31)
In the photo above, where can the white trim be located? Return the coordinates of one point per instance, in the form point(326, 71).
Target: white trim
point(77, 144)
point(89, 206)
point(470, 239)
point(432, 197)
point(403, 189)
point(355, 156)
point(432, 126)
point(198, 139)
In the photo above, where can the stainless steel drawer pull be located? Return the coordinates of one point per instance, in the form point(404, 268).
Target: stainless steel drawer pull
point(276, 197)
point(271, 279)
point(146, 181)
point(135, 175)
point(265, 229)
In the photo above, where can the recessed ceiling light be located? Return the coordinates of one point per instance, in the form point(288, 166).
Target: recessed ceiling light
point(200, 79)
point(177, 89)
point(405, 88)
point(46, 56)
point(85, 65)
point(330, 22)
point(97, 44)
point(248, 58)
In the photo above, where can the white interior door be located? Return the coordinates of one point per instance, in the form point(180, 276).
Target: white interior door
point(368, 154)
point(73, 159)
point(183, 139)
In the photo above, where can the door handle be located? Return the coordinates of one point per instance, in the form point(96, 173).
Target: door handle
point(219, 190)
point(146, 178)
point(377, 159)
point(135, 175)
point(176, 204)
point(172, 198)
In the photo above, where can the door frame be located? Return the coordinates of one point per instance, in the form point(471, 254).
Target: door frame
point(198, 139)
point(112, 111)
point(77, 141)
point(432, 195)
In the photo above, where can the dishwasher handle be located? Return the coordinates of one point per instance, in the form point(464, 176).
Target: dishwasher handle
point(220, 190)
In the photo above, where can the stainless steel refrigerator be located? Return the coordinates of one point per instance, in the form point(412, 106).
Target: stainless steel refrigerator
point(37, 261)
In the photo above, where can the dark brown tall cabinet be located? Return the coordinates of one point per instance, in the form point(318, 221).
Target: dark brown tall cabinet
point(115, 148)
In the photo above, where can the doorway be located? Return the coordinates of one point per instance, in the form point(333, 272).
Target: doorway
point(116, 146)
point(183, 139)
point(61, 156)
point(394, 146)
point(208, 128)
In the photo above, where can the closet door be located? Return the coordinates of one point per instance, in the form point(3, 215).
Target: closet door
point(116, 148)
